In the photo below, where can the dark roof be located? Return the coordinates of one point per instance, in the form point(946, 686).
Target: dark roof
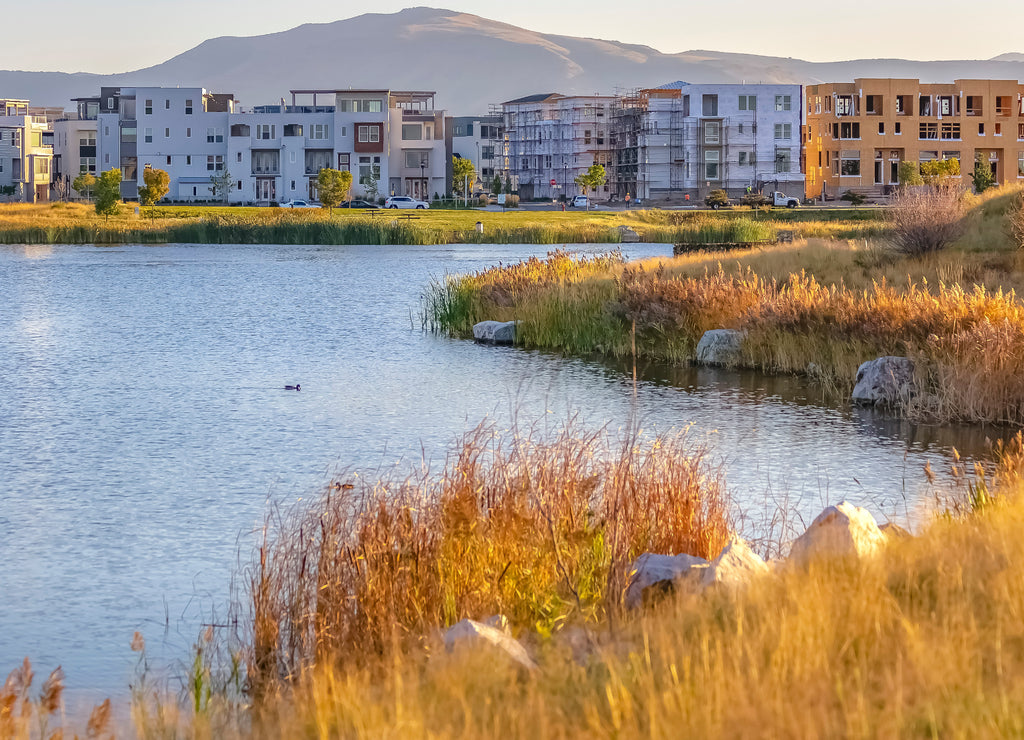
point(539, 98)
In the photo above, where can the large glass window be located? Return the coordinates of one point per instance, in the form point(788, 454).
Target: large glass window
point(849, 163)
point(711, 165)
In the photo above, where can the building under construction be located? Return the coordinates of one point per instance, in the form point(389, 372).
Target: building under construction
point(678, 142)
point(551, 139)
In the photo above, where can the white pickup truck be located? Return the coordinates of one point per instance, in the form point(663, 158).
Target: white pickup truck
point(781, 199)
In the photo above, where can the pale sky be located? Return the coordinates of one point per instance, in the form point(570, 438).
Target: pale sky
point(106, 36)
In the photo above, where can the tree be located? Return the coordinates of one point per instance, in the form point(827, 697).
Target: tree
point(938, 171)
point(157, 184)
point(371, 183)
point(462, 169)
point(496, 185)
point(910, 174)
point(221, 185)
point(84, 184)
point(108, 192)
point(982, 177)
point(591, 180)
point(333, 187)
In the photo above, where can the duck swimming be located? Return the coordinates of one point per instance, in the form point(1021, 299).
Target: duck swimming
point(292, 387)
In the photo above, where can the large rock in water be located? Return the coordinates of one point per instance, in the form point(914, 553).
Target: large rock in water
point(719, 347)
point(661, 573)
point(495, 332)
point(839, 531)
point(884, 382)
point(470, 634)
point(736, 566)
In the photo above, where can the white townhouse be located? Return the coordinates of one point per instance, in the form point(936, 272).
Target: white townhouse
point(26, 154)
point(550, 139)
point(74, 144)
point(680, 141)
point(393, 142)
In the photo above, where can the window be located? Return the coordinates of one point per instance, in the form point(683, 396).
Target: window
point(844, 105)
point(951, 155)
point(711, 161)
point(748, 102)
point(998, 130)
point(214, 163)
point(319, 131)
point(367, 171)
point(945, 105)
point(902, 105)
point(343, 161)
point(783, 130)
point(981, 129)
point(291, 129)
point(188, 107)
point(239, 129)
point(293, 185)
point(873, 105)
point(369, 134)
point(709, 107)
point(87, 139)
point(783, 160)
point(188, 159)
point(712, 132)
point(783, 102)
point(1020, 130)
point(129, 134)
point(743, 158)
point(266, 131)
point(214, 135)
point(415, 159)
point(167, 133)
point(974, 106)
point(848, 130)
point(928, 131)
point(239, 185)
point(188, 133)
point(42, 166)
point(1020, 164)
point(849, 163)
point(412, 132)
point(359, 105)
point(149, 107)
point(925, 105)
point(167, 104)
point(586, 136)
point(950, 131)
point(87, 164)
point(238, 157)
point(897, 128)
point(168, 160)
point(881, 128)
point(149, 136)
point(1002, 105)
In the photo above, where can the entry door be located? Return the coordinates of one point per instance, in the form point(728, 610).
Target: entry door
point(894, 172)
point(878, 172)
point(266, 189)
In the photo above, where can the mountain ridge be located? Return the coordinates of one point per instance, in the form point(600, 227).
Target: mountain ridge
point(471, 62)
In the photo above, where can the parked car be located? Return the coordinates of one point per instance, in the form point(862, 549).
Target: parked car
point(580, 201)
point(357, 204)
point(298, 204)
point(404, 201)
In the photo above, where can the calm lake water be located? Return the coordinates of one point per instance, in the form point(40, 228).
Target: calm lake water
point(144, 428)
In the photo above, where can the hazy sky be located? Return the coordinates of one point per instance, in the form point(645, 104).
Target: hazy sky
point(120, 35)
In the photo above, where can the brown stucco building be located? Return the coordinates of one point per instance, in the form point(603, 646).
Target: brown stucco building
point(858, 132)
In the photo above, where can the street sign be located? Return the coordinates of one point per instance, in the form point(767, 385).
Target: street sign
point(553, 182)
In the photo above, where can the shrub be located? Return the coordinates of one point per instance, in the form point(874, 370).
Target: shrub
point(853, 198)
point(717, 199)
point(756, 200)
point(1015, 222)
point(511, 201)
point(927, 219)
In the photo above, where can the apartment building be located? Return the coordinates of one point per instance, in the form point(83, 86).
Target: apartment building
point(26, 153)
point(680, 141)
point(478, 139)
point(858, 132)
point(550, 139)
point(393, 142)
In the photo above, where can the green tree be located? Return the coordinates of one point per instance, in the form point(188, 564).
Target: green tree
point(462, 169)
point(910, 174)
point(591, 180)
point(371, 184)
point(982, 177)
point(496, 185)
point(157, 184)
point(939, 171)
point(84, 184)
point(333, 187)
point(221, 185)
point(108, 192)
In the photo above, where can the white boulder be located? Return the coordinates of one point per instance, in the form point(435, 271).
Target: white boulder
point(495, 332)
point(470, 634)
point(735, 566)
point(886, 381)
point(720, 347)
point(661, 571)
point(839, 531)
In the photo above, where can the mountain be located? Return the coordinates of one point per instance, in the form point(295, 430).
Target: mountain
point(470, 61)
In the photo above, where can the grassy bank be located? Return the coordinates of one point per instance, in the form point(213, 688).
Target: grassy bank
point(816, 306)
point(344, 596)
point(77, 223)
